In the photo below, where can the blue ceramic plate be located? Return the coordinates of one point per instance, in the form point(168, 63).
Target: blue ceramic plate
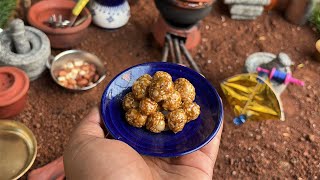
point(195, 134)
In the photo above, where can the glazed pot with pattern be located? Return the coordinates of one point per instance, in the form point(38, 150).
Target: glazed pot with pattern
point(110, 14)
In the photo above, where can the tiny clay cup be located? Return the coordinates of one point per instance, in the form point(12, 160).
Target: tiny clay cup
point(14, 85)
point(60, 38)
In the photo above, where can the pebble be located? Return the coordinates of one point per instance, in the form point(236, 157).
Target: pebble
point(224, 24)
point(231, 161)
point(223, 19)
point(204, 39)
point(207, 27)
point(209, 61)
point(234, 173)
point(258, 137)
point(262, 38)
point(310, 137)
point(250, 134)
point(284, 165)
point(286, 134)
point(294, 161)
point(37, 125)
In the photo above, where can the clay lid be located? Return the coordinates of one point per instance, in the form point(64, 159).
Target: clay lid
point(14, 84)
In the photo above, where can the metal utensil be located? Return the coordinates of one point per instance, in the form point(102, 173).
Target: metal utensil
point(55, 22)
point(18, 146)
point(65, 57)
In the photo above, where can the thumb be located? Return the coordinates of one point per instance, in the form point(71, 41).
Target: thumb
point(90, 126)
point(88, 129)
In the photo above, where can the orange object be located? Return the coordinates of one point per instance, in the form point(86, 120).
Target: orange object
point(14, 85)
point(51, 171)
point(272, 5)
point(61, 38)
point(161, 28)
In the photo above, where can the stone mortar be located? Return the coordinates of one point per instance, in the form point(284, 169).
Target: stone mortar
point(32, 62)
point(268, 60)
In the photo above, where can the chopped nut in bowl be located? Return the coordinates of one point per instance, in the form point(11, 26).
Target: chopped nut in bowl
point(77, 70)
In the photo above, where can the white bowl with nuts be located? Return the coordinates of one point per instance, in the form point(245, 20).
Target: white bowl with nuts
point(77, 70)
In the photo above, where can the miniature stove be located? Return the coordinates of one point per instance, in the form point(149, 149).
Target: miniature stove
point(191, 35)
point(177, 41)
point(177, 28)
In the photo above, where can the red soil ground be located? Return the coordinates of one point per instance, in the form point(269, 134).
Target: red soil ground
point(268, 149)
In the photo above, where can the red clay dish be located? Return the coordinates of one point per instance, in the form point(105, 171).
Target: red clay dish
point(60, 38)
point(14, 85)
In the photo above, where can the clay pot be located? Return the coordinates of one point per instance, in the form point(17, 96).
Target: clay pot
point(13, 91)
point(296, 11)
point(299, 11)
point(60, 38)
point(177, 15)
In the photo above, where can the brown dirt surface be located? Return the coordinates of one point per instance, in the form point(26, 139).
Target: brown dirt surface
point(267, 150)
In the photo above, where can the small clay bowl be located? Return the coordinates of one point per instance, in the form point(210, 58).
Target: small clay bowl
point(195, 134)
point(14, 85)
point(68, 56)
point(60, 38)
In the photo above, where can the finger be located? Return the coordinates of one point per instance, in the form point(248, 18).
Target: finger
point(212, 148)
point(90, 125)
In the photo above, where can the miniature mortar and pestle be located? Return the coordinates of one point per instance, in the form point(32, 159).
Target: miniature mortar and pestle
point(60, 38)
point(24, 47)
point(184, 13)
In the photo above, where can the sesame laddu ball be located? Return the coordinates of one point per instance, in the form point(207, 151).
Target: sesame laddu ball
point(177, 119)
point(140, 87)
point(186, 89)
point(129, 102)
point(156, 122)
point(147, 106)
point(135, 118)
point(192, 110)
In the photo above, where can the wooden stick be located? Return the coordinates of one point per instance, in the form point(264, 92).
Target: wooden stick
point(189, 57)
point(171, 49)
point(165, 52)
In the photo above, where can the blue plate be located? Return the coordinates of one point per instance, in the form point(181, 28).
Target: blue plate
point(195, 134)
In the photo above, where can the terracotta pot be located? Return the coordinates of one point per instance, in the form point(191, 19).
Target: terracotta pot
point(299, 11)
point(179, 16)
point(60, 38)
point(13, 91)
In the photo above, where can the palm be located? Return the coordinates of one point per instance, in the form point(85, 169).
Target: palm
point(91, 155)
